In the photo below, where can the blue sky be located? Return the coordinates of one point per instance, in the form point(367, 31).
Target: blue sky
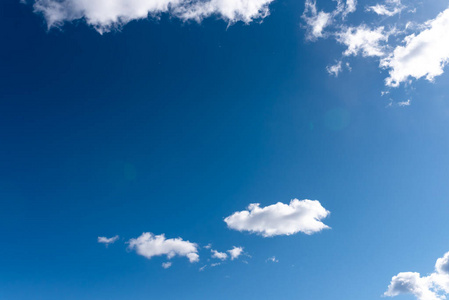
point(174, 124)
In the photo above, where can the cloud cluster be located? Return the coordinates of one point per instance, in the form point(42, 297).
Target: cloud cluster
point(280, 219)
point(419, 51)
point(150, 245)
point(107, 241)
point(105, 15)
point(432, 287)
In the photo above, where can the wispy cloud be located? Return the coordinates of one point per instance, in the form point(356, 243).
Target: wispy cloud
point(107, 241)
point(280, 219)
point(272, 259)
point(388, 8)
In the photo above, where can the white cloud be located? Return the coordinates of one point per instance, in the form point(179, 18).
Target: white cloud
point(389, 8)
point(280, 219)
point(166, 265)
point(423, 55)
point(150, 245)
point(235, 252)
point(334, 69)
point(350, 6)
point(432, 287)
point(317, 21)
point(363, 40)
point(405, 103)
point(219, 255)
point(107, 241)
point(272, 259)
point(106, 15)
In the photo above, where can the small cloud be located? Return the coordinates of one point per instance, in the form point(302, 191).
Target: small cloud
point(334, 69)
point(202, 268)
point(107, 241)
point(280, 219)
point(272, 259)
point(235, 252)
point(215, 265)
point(149, 245)
point(208, 246)
point(219, 255)
point(166, 265)
point(404, 103)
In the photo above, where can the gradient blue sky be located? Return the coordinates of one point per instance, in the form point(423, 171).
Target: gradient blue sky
point(169, 127)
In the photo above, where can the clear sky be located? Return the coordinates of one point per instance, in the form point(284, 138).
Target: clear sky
point(134, 135)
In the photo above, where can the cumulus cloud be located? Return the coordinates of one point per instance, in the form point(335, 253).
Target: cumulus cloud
point(219, 255)
point(105, 15)
point(149, 245)
point(363, 40)
point(423, 55)
point(235, 252)
point(280, 219)
point(107, 241)
point(432, 287)
point(388, 8)
point(166, 265)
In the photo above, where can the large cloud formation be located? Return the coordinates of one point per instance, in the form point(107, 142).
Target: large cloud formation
point(280, 219)
point(105, 15)
point(150, 245)
point(432, 287)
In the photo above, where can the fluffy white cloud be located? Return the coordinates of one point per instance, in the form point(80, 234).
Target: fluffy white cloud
point(166, 265)
point(235, 252)
point(432, 287)
point(105, 15)
point(280, 219)
point(219, 255)
point(424, 54)
point(363, 40)
point(150, 245)
point(107, 241)
point(389, 8)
